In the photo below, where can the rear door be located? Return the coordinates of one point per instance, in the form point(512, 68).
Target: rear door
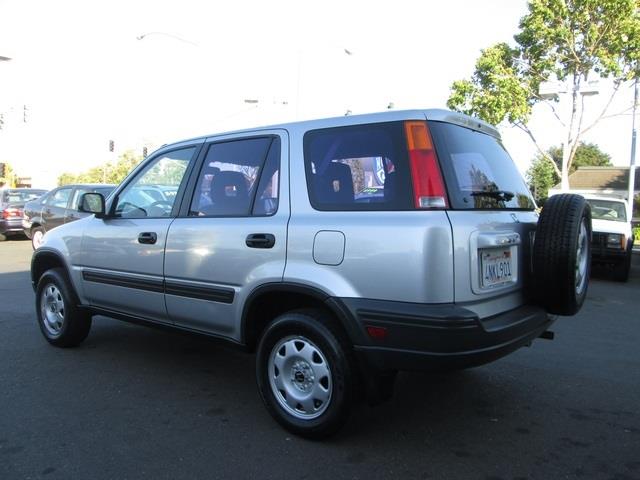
point(492, 218)
point(231, 235)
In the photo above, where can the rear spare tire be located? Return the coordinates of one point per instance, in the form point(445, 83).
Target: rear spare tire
point(562, 254)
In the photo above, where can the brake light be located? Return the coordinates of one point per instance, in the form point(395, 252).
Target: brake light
point(11, 213)
point(428, 186)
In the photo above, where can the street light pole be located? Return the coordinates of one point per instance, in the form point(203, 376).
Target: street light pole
point(632, 162)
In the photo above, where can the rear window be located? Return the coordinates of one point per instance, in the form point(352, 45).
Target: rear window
point(361, 167)
point(478, 171)
point(21, 196)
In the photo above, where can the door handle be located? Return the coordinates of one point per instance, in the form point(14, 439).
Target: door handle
point(260, 240)
point(148, 238)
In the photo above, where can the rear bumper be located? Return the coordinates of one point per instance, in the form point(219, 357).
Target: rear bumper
point(437, 337)
point(11, 226)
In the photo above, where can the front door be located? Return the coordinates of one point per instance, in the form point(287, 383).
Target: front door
point(231, 235)
point(123, 254)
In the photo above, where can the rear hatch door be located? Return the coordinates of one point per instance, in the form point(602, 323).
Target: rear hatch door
point(492, 216)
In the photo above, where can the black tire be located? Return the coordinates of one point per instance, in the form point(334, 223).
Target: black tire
point(562, 254)
point(310, 329)
point(61, 322)
point(36, 235)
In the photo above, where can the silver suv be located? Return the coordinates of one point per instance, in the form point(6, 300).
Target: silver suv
point(340, 250)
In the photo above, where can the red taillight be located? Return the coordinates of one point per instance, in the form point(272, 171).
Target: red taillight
point(428, 187)
point(11, 213)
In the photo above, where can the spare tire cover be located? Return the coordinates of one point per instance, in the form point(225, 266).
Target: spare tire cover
point(562, 254)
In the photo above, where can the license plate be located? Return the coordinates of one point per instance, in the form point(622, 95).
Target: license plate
point(497, 267)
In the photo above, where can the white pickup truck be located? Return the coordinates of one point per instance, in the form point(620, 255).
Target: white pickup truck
point(612, 240)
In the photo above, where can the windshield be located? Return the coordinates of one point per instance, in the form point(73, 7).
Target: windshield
point(607, 210)
point(479, 172)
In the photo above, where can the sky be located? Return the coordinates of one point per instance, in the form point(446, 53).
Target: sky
point(86, 77)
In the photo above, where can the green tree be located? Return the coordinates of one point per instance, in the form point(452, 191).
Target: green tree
point(542, 174)
point(105, 173)
point(567, 40)
point(587, 155)
point(10, 178)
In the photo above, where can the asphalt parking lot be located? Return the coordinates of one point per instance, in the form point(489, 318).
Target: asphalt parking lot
point(139, 403)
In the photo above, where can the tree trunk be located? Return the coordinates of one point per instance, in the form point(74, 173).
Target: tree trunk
point(568, 148)
point(566, 151)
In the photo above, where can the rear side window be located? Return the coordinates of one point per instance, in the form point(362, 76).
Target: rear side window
point(361, 167)
point(478, 171)
point(239, 178)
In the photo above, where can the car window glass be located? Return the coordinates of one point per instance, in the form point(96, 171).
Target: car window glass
point(60, 198)
point(21, 196)
point(479, 172)
point(232, 174)
point(144, 196)
point(75, 202)
point(607, 210)
point(358, 168)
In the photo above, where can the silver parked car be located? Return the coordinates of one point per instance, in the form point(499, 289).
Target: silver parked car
point(340, 250)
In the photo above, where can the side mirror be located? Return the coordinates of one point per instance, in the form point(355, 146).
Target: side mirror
point(93, 203)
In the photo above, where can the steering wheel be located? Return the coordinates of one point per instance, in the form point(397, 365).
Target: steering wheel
point(163, 205)
point(125, 209)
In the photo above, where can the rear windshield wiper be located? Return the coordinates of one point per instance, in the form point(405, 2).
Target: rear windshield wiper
point(502, 195)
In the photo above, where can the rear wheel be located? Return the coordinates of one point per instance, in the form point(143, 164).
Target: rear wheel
point(562, 254)
point(61, 322)
point(306, 374)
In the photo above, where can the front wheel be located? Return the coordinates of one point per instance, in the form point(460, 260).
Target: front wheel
point(61, 322)
point(306, 374)
point(37, 234)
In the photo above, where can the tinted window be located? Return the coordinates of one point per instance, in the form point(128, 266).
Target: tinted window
point(479, 172)
point(165, 172)
point(363, 167)
point(21, 196)
point(236, 174)
point(607, 210)
point(59, 198)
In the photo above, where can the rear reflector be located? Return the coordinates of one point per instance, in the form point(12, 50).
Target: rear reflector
point(377, 333)
point(428, 187)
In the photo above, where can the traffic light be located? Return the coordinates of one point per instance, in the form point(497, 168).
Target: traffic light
point(2, 170)
point(111, 145)
point(144, 152)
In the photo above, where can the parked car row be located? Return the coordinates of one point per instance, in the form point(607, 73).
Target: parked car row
point(33, 212)
point(59, 206)
point(12, 202)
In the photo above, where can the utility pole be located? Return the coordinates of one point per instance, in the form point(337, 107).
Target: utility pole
point(632, 162)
